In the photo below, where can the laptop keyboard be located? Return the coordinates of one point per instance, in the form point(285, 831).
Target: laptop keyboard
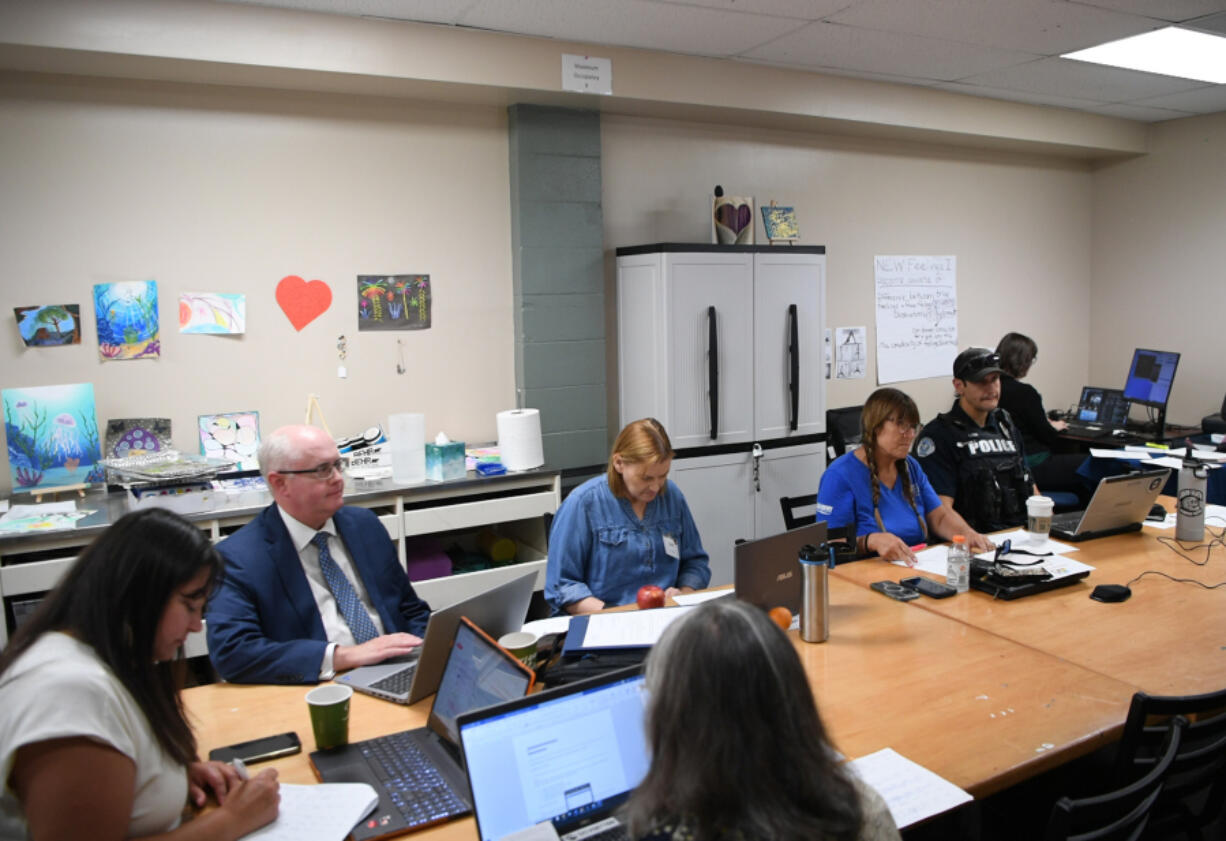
point(412, 782)
point(397, 682)
point(1066, 521)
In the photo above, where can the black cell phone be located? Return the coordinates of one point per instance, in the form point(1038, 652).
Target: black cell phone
point(259, 750)
point(930, 588)
point(895, 590)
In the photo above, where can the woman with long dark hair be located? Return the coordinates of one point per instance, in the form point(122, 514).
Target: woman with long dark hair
point(738, 750)
point(881, 490)
point(93, 737)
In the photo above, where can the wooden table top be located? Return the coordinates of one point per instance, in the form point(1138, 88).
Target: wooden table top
point(1169, 638)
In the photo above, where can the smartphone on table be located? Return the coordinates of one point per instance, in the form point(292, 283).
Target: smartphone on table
point(259, 750)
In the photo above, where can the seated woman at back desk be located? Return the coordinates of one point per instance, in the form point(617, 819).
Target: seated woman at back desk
point(881, 491)
point(618, 532)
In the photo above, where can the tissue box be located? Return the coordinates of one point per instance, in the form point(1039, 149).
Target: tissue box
point(445, 461)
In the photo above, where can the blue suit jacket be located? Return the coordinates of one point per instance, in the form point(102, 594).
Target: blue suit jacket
point(263, 624)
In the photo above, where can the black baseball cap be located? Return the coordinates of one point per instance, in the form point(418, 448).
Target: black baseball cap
point(975, 363)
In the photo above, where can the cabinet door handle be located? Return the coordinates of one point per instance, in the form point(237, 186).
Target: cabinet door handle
point(794, 366)
point(713, 371)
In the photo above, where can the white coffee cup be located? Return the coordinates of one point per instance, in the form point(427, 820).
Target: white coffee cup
point(1038, 519)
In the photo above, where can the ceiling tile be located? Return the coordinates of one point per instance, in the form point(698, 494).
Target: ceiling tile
point(426, 11)
point(1081, 80)
point(1042, 27)
point(824, 45)
point(1207, 100)
point(1168, 10)
point(799, 9)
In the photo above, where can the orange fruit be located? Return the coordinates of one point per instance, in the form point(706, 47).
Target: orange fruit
point(781, 616)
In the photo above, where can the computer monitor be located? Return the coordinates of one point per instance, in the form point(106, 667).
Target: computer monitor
point(1149, 380)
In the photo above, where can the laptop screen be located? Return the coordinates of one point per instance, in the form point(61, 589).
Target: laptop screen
point(572, 754)
point(478, 673)
point(1103, 405)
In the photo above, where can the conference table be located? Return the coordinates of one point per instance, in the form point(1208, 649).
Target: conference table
point(984, 693)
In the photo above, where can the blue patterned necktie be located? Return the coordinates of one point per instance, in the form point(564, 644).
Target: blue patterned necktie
point(346, 597)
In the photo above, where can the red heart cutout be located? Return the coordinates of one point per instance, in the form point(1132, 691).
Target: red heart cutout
point(302, 301)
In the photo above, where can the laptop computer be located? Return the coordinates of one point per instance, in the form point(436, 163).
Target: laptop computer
point(766, 571)
point(418, 773)
point(570, 756)
point(1120, 504)
point(406, 680)
point(1100, 410)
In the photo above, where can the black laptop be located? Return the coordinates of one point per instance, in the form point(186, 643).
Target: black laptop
point(1100, 412)
point(418, 774)
point(766, 572)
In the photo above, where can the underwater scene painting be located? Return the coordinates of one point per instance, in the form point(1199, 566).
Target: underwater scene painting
point(48, 326)
point(127, 315)
point(393, 302)
point(52, 435)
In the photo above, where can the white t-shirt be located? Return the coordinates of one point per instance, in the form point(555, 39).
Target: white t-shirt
point(59, 688)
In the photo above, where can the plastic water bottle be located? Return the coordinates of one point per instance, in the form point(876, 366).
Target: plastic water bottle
point(1190, 508)
point(958, 570)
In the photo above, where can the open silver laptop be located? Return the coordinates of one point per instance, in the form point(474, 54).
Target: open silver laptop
point(766, 571)
point(407, 680)
point(1119, 504)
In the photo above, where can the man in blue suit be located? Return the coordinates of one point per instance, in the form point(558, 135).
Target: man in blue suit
point(311, 586)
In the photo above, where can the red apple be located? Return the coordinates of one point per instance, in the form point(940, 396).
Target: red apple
point(649, 596)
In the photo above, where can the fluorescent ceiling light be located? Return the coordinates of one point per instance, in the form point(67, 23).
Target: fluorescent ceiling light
point(1171, 52)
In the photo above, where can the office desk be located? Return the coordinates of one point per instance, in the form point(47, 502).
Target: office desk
point(1168, 639)
point(975, 708)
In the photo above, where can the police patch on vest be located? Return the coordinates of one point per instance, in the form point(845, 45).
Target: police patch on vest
point(925, 448)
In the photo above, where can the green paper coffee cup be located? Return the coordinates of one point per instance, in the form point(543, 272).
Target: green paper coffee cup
point(329, 706)
point(522, 644)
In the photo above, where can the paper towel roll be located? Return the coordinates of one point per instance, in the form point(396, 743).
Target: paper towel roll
point(407, 439)
point(519, 439)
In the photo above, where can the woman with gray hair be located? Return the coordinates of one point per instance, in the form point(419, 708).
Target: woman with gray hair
point(738, 748)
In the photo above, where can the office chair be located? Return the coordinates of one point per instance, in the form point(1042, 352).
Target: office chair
point(842, 431)
point(1122, 814)
point(1215, 423)
point(1195, 791)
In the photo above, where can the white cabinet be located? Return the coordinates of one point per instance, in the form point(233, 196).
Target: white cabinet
point(723, 345)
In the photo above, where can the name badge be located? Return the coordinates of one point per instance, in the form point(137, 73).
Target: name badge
point(671, 548)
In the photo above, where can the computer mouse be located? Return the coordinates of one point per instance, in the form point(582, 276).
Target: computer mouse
point(1111, 593)
point(1119, 433)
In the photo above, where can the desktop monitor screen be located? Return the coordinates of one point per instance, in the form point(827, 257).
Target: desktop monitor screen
point(1150, 377)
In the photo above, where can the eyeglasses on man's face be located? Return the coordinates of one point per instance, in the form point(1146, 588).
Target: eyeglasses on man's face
point(319, 471)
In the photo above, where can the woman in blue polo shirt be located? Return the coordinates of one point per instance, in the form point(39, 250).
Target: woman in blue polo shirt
point(630, 527)
point(881, 490)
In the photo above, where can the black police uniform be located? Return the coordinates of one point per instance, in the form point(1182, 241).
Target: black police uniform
point(983, 469)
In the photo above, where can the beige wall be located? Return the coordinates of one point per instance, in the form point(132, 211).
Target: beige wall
point(1020, 228)
point(1159, 227)
point(229, 190)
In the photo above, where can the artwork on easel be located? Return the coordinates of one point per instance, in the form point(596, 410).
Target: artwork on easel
point(234, 436)
point(212, 312)
point(49, 326)
point(127, 316)
point(394, 302)
point(779, 223)
point(52, 436)
point(136, 436)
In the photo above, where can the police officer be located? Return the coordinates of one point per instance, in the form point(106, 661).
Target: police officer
point(973, 454)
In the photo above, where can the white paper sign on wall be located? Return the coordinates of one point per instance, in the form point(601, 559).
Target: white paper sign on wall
point(586, 74)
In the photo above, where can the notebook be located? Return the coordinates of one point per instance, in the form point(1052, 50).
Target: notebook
point(766, 572)
point(1100, 410)
point(406, 680)
point(1119, 504)
point(571, 756)
point(418, 773)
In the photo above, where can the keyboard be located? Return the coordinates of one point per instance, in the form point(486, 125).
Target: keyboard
point(412, 782)
point(1066, 521)
point(397, 682)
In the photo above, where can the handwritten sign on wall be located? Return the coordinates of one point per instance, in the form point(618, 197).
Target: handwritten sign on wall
point(917, 317)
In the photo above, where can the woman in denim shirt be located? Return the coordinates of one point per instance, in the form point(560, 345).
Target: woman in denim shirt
point(618, 532)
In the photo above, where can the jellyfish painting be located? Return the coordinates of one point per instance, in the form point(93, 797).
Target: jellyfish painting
point(127, 316)
point(52, 435)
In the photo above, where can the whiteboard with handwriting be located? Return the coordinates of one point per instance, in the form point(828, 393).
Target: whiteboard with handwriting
point(917, 317)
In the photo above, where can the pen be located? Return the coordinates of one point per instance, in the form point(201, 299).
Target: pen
point(241, 768)
point(919, 547)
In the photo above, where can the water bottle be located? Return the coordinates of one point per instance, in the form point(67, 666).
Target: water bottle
point(958, 570)
point(815, 563)
point(1190, 510)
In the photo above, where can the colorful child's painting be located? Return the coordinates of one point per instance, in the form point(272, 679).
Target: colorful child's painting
point(212, 312)
point(57, 324)
point(234, 437)
point(52, 435)
point(136, 436)
point(394, 302)
point(127, 315)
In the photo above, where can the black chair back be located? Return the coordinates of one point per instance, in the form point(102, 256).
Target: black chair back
point(842, 431)
point(1120, 815)
point(798, 510)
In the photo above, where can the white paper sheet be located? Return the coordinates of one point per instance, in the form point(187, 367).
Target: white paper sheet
point(552, 625)
point(704, 596)
point(631, 628)
point(912, 792)
point(935, 559)
point(325, 812)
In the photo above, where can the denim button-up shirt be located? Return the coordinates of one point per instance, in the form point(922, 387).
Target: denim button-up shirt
point(599, 547)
